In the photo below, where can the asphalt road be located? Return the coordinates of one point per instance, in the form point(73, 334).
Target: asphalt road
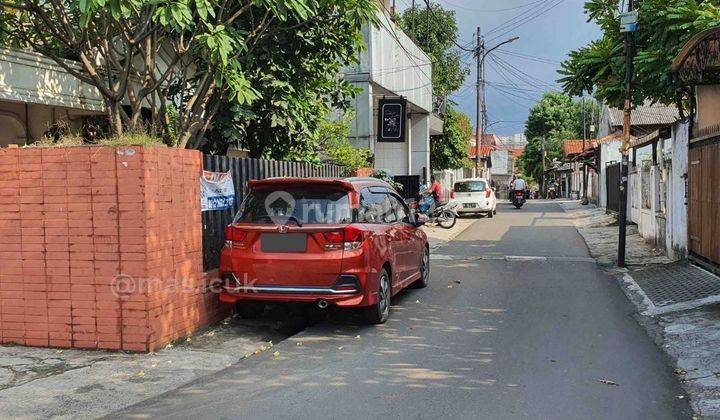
point(515, 338)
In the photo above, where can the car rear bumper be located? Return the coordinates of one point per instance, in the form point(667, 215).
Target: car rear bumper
point(480, 206)
point(346, 292)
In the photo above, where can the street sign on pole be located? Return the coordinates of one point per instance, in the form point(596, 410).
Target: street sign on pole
point(629, 21)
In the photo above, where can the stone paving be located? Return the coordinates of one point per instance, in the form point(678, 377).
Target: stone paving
point(676, 283)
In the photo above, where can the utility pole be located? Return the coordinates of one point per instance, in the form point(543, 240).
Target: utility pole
point(480, 102)
point(584, 199)
point(480, 54)
point(412, 24)
point(544, 166)
point(627, 112)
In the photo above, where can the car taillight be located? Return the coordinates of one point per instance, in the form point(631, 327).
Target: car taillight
point(349, 238)
point(487, 192)
point(234, 237)
point(452, 193)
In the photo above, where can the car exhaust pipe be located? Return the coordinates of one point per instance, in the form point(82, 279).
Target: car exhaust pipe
point(322, 304)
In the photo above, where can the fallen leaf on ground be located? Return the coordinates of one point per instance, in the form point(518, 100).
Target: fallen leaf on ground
point(276, 354)
point(153, 364)
point(141, 373)
point(449, 286)
point(681, 397)
point(340, 348)
point(299, 343)
point(609, 382)
point(680, 372)
point(417, 301)
point(357, 336)
point(211, 334)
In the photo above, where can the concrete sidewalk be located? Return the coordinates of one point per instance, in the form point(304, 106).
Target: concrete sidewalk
point(50, 383)
point(438, 236)
point(676, 302)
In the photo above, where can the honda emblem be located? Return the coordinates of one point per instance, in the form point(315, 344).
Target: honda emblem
point(283, 228)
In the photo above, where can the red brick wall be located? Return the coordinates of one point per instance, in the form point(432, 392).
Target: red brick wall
point(101, 247)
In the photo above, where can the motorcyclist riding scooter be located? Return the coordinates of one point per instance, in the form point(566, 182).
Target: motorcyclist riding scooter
point(518, 187)
point(431, 201)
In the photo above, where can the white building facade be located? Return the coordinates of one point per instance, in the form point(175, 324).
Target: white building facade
point(37, 95)
point(392, 66)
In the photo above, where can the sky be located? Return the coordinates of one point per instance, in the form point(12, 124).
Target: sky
point(519, 72)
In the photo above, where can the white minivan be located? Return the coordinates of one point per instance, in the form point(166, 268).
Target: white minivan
point(474, 196)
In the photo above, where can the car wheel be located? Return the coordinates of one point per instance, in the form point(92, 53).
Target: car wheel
point(250, 309)
point(491, 214)
point(424, 279)
point(379, 313)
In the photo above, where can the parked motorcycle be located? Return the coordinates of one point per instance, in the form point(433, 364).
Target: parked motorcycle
point(518, 199)
point(443, 215)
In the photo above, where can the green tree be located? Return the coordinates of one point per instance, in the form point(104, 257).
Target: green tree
point(332, 139)
point(294, 73)
point(435, 32)
point(664, 27)
point(201, 56)
point(554, 119)
point(450, 151)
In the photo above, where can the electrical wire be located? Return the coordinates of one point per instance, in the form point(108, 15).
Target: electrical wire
point(491, 10)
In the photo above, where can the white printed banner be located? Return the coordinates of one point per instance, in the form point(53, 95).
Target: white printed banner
point(217, 191)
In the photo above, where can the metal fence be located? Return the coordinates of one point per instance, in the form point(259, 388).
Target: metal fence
point(244, 169)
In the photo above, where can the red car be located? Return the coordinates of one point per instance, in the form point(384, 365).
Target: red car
point(350, 243)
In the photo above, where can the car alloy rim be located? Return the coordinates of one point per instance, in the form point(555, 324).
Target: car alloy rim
point(383, 295)
point(425, 264)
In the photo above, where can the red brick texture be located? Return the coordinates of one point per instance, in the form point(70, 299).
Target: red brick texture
point(101, 248)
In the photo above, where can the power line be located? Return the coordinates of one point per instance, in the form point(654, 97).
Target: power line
point(432, 12)
point(529, 57)
point(492, 10)
point(527, 19)
point(518, 17)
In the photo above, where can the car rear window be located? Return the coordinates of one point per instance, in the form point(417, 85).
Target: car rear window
point(470, 186)
point(306, 205)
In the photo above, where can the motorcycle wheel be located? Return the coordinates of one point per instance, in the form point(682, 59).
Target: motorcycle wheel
point(447, 220)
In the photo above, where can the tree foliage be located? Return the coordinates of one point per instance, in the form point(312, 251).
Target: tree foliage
point(436, 32)
point(450, 151)
point(295, 73)
point(664, 27)
point(554, 119)
point(200, 56)
point(333, 141)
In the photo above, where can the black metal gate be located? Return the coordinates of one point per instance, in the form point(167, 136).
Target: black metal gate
point(612, 186)
point(244, 169)
point(410, 183)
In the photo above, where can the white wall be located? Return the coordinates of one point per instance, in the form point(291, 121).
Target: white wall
point(677, 217)
point(26, 76)
point(392, 157)
point(420, 149)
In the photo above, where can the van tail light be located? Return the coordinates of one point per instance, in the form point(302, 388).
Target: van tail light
point(348, 239)
point(487, 192)
point(452, 193)
point(234, 237)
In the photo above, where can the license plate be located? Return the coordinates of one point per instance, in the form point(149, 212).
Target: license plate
point(283, 242)
point(469, 205)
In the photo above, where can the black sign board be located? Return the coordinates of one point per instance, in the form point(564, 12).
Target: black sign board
point(391, 120)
